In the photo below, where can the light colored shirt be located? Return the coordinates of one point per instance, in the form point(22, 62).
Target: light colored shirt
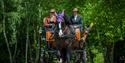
point(75, 17)
point(51, 18)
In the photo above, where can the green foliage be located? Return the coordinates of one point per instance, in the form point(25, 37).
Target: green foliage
point(99, 58)
point(107, 15)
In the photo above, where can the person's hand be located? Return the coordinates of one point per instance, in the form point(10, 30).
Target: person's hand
point(56, 13)
point(50, 24)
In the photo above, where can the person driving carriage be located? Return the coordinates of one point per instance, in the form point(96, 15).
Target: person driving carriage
point(76, 19)
point(50, 21)
point(76, 24)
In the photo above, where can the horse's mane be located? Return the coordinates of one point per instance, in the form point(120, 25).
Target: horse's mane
point(67, 19)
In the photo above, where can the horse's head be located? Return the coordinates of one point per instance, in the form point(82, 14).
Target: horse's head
point(61, 24)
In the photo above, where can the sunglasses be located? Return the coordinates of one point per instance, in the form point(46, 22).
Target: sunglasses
point(52, 12)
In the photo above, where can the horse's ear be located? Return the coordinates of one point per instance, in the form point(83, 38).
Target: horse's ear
point(91, 25)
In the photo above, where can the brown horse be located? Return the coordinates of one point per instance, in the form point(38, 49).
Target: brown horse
point(68, 42)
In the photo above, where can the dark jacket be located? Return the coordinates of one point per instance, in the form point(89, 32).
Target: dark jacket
point(78, 21)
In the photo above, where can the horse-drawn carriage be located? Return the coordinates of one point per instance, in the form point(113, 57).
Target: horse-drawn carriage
point(67, 48)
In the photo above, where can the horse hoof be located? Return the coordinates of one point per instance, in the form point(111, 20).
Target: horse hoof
point(60, 61)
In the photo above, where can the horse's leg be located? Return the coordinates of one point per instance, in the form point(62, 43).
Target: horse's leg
point(68, 54)
point(68, 50)
point(84, 55)
point(64, 55)
point(59, 54)
point(59, 50)
point(63, 52)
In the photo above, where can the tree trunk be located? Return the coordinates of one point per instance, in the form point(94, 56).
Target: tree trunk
point(30, 53)
point(5, 35)
point(14, 33)
point(27, 40)
point(38, 45)
point(15, 51)
point(27, 34)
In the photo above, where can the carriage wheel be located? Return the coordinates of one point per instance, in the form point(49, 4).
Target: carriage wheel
point(78, 56)
point(42, 56)
point(50, 57)
point(42, 60)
